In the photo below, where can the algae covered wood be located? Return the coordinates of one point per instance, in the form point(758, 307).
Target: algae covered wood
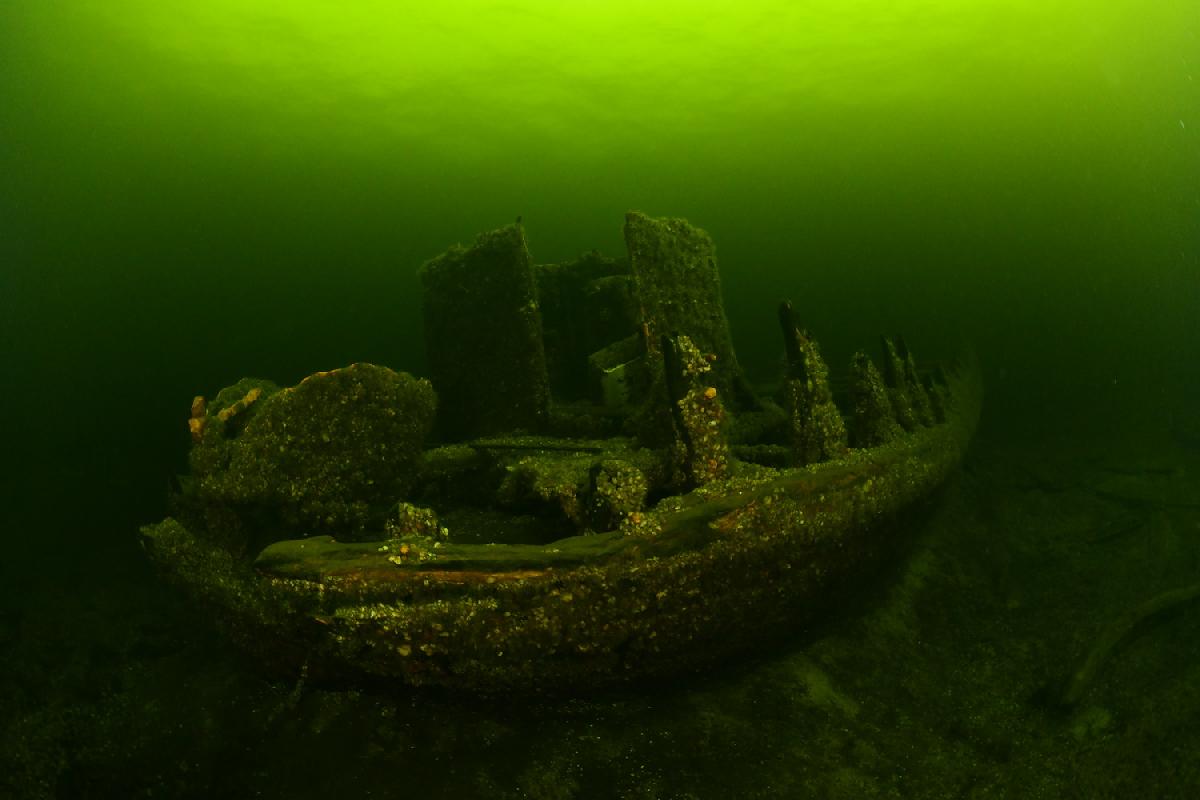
point(483, 337)
point(674, 267)
point(321, 558)
point(686, 522)
point(702, 576)
point(626, 556)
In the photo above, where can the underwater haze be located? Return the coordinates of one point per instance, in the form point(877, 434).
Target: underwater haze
point(193, 192)
point(212, 189)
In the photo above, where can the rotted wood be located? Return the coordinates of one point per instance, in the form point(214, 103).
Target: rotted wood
point(686, 527)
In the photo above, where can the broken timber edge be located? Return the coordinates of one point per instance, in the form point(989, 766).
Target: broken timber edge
point(702, 576)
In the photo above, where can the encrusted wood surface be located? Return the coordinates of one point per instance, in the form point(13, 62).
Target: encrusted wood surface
point(698, 578)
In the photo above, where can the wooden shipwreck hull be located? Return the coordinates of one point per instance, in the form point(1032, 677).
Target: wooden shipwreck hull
point(735, 547)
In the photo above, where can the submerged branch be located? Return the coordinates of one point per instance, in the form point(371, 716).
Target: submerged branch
point(1116, 632)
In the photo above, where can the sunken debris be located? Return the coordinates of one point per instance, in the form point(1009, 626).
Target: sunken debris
point(701, 453)
point(329, 454)
point(895, 377)
point(608, 498)
point(815, 426)
point(483, 337)
point(872, 420)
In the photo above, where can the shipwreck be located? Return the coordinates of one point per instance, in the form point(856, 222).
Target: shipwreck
point(586, 490)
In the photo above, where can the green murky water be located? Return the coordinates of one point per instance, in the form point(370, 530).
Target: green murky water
point(192, 192)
